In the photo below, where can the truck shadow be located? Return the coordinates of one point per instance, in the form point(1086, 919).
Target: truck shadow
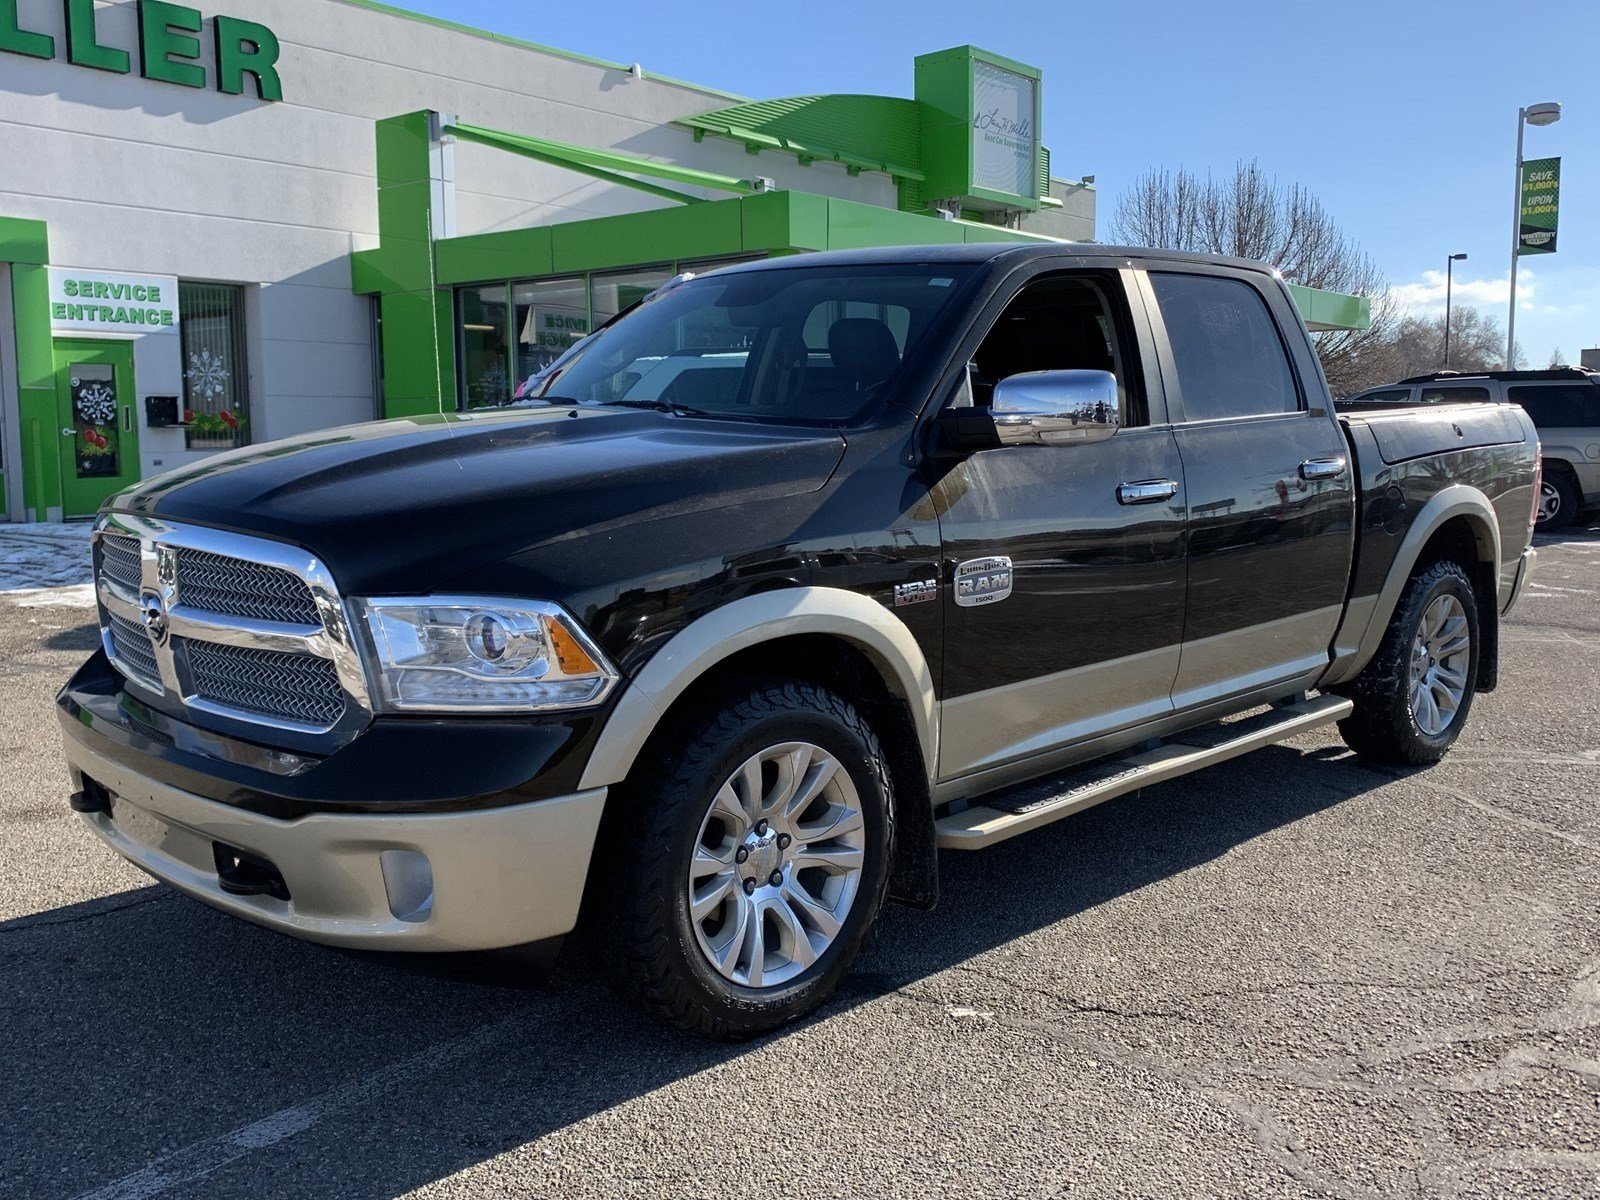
point(141, 1024)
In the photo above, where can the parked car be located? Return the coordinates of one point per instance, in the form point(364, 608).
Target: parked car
point(1564, 403)
point(984, 535)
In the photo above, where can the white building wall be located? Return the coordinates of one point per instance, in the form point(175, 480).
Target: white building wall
point(141, 176)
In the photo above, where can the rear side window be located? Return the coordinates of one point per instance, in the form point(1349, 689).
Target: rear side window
point(1558, 405)
point(1455, 395)
point(1230, 359)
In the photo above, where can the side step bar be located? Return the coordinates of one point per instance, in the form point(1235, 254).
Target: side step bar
point(1015, 810)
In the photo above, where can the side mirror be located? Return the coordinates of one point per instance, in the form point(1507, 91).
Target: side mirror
point(1055, 407)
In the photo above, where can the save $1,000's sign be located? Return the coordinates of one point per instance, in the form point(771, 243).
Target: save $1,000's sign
point(112, 302)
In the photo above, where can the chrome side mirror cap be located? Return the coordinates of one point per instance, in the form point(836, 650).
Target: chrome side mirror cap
point(1054, 408)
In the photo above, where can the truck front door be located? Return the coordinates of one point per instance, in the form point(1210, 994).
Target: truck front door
point(1266, 467)
point(1063, 589)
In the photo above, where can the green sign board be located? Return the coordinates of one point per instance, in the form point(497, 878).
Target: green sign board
point(1541, 198)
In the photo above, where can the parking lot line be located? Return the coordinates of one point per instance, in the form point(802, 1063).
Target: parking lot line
point(211, 1154)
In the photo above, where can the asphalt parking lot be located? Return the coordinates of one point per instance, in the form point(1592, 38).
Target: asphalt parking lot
point(1294, 975)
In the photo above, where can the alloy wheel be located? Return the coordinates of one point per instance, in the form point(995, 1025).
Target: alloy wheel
point(1440, 657)
point(1549, 500)
point(777, 864)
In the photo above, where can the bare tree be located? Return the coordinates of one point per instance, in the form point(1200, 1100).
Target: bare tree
point(1557, 358)
point(1416, 345)
point(1251, 215)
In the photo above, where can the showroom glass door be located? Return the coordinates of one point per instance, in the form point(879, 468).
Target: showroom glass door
point(94, 405)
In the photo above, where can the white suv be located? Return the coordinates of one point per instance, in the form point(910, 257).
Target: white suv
point(1564, 403)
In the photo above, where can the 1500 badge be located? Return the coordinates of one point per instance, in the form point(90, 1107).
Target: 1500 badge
point(983, 581)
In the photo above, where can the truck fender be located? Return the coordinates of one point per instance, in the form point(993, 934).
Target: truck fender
point(740, 624)
point(1367, 617)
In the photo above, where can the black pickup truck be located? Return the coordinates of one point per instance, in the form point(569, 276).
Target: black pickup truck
point(801, 571)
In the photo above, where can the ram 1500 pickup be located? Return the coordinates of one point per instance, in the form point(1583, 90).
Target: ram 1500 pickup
point(792, 576)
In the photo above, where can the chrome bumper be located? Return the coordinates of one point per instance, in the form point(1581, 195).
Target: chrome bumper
point(1524, 570)
point(456, 881)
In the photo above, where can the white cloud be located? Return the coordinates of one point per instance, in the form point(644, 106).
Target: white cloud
point(1425, 297)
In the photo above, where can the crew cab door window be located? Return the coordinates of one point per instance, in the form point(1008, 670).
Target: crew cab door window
point(1088, 638)
point(1229, 356)
point(1058, 323)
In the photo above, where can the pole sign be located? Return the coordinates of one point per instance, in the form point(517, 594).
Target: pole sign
point(110, 302)
point(1541, 198)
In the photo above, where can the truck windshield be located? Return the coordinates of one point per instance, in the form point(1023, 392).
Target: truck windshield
point(797, 344)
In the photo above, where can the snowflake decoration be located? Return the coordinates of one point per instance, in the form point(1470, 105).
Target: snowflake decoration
point(97, 404)
point(207, 375)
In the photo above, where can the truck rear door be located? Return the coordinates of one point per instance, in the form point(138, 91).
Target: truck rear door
point(1271, 502)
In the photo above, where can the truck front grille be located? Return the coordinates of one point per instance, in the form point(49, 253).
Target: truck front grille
point(119, 560)
point(238, 588)
point(301, 688)
point(248, 630)
point(131, 650)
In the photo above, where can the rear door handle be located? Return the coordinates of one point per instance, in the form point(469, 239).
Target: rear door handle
point(1146, 491)
point(1321, 468)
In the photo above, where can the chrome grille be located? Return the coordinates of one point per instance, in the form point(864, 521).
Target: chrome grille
point(237, 588)
point(244, 629)
point(294, 687)
point(119, 559)
point(130, 646)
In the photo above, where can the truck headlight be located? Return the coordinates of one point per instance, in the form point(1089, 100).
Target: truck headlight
point(481, 654)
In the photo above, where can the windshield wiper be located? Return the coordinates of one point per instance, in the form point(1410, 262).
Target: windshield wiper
point(676, 409)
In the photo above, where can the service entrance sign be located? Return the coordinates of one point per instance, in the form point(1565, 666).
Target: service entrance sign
point(112, 302)
point(1541, 200)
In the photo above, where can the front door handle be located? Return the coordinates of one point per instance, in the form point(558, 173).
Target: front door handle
point(1321, 468)
point(1146, 491)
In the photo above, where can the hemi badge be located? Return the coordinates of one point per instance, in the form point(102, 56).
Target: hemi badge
point(915, 593)
point(983, 581)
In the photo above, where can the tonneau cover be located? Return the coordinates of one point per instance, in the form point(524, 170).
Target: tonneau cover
point(1419, 432)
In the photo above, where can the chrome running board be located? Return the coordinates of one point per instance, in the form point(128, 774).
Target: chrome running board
point(1015, 810)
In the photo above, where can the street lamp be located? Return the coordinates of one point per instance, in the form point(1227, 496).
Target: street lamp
point(1547, 113)
point(1449, 272)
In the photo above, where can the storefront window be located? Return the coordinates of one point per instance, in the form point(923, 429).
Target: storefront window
point(485, 375)
point(617, 290)
point(216, 373)
point(548, 315)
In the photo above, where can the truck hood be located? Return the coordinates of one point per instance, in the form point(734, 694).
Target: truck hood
point(404, 505)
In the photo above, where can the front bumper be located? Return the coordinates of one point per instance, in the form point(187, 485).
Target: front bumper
point(474, 880)
point(1519, 585)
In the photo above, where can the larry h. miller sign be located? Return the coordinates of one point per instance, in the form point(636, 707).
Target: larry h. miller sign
point(1005, 137)
point(1538, 206)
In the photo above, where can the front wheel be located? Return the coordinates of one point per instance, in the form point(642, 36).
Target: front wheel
point(1412, 699)
point(743, 869)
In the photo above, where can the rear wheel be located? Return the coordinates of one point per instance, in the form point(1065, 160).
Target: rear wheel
point(1558, 502)
point(746, 865)
point(1412, 699)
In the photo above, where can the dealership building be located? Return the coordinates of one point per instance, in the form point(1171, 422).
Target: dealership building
point(282, 216)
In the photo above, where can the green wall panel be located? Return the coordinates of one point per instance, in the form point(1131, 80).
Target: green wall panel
point(661, 235)
point(23, 241)
point(509, 254)
point(418, 353)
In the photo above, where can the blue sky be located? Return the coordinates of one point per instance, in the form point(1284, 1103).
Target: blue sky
point(1399, 114)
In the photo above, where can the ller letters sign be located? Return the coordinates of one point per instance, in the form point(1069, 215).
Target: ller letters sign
point(169, 45)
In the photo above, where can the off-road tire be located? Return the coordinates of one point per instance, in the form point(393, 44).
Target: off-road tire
point(1567, 501)
point(640, 928)
point(1383, 727)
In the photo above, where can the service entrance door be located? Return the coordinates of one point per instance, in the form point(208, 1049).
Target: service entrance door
point(94, 405)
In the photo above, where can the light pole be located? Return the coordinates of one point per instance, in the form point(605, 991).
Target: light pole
point(1449, 273)
point(1547, 113)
